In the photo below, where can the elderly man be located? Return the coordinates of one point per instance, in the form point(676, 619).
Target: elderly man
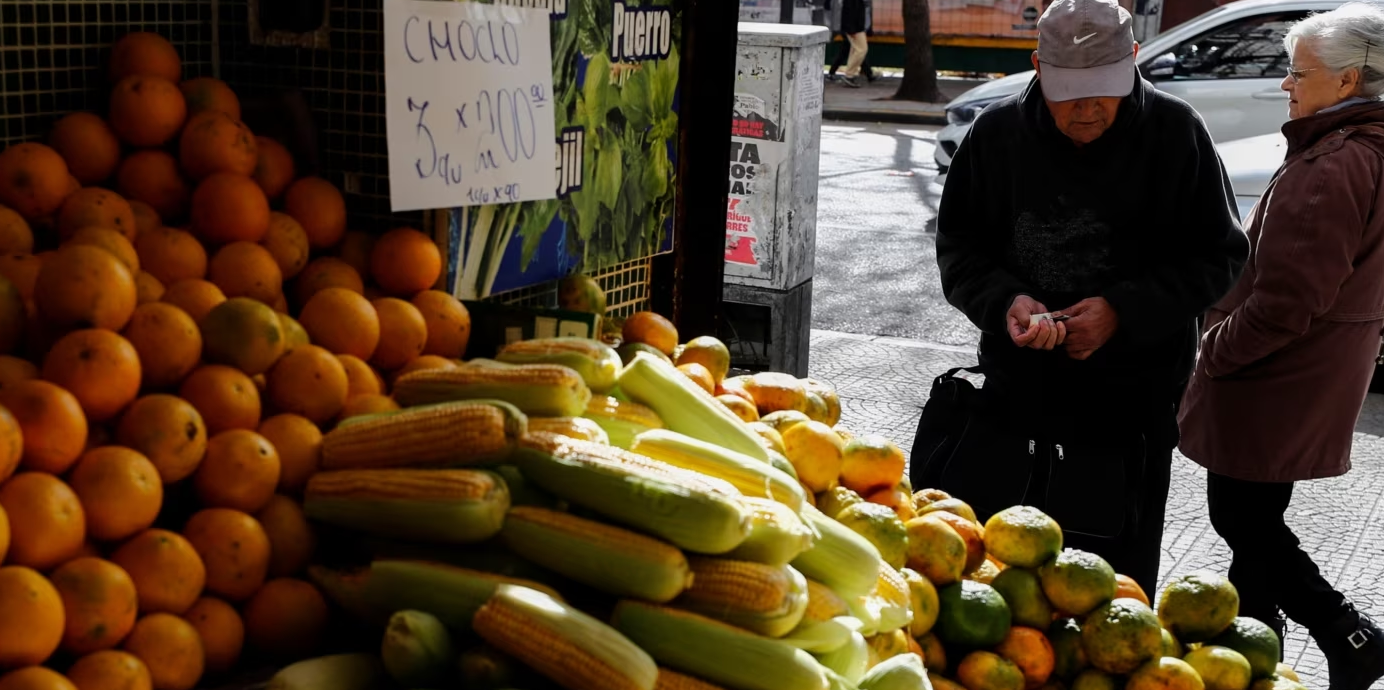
point(1086, 225)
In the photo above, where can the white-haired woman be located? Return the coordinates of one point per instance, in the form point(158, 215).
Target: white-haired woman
point(1287, 356)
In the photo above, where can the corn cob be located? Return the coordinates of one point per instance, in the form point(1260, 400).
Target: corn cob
point(668, 679)
point(541, 390)
point(820, 637)
point(450, 434)
point(784, 465)
point(823, 604)
point(487, 667)
point(716, 651)
point(445, 506)
point(417, 649)
point(777, 534)
point(606, 557)
point(899, 672)
point(851, 660)
point(563, 643)
point(360, 671)
point(597, 363)
point(451, 594)
point(622, 420)
point(685, 407)
point(897, 609)
point(692, 511)
point(839, 558)
point(580, 428)
point(752, 477)
point(763, 599)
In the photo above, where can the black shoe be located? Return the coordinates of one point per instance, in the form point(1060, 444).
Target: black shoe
point(1354, 649)
point(853, 82)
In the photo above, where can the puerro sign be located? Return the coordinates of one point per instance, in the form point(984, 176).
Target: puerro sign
point(469, 104)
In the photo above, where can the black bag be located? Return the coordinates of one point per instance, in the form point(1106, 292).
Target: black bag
point(979, 446)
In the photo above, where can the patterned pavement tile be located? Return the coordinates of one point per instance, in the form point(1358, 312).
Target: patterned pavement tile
point(884, 382)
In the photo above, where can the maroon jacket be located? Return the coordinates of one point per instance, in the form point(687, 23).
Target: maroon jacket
point(1286, 357)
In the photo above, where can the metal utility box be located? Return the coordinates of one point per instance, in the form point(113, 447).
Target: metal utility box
point(771, 212)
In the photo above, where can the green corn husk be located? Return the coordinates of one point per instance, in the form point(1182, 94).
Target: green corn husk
point(839, 558)
point(597, 363)
point(417, 649)
point(821, 637)
point(717, 652)
point(901, 672)
point(541, 390)
point(851, 660)
point(777, 534)
point(335, 672)
point(443, 506)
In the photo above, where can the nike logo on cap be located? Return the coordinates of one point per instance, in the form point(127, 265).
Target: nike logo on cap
point(1082, 39)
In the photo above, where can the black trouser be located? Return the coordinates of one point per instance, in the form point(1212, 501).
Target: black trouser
point(1268, 566)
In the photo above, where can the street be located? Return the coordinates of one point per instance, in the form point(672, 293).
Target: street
point(882, 331)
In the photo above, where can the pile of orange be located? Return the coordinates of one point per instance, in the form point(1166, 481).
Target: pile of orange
point(182, 316)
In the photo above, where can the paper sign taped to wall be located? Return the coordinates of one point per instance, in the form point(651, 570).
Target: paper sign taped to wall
point(469, 104)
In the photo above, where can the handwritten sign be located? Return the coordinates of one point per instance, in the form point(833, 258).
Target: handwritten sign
point(469, 109)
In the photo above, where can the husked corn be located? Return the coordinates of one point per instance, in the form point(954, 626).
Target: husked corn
point(541, 390)
point(448, 434)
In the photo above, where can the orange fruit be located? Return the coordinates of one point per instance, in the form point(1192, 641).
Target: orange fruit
point(88, 146)
point(47, 523)
point(52, 424)
point(651, 329)
point(148, 289)
point(1127, 588)
point(291, 540)
point(699, 375)
point(166, 569)
point(209, 94)
point(403, 333)
point(240, 471)
point(171, 255)
point(11, 450)
point(16, 237)
point(989, 671)
point(405, 262)
point(355, 250)
point(308, 381)
point(227, 207)
point(146, 111)
point(84, 287)
point(225, 397)
point(972, 533)
point(245, 269)
point(99, 602)
point(711, 353)
point(318, 205)
point(243, 333)
point(31, 617)
point(97, 366)
point(146, 218)
point(13, 370)
point(935, 550)
point(144, 52)
point(286, 618)
point(214, 142)
point(274, 167)
point(234, 548)
point(94, 206)
point(33, 180)
point(360, 377)
point(110, 240)
point(168, 431)
point(367, 403)
point(422, 363)
point(447, 321)
point(110, 669)
point(171, 648)
point(4, 534)
point(221, 630)
point(1031, 652)
point(195, 297)
point(22, 270)
point(299, 444)
point(324, 272)
point(1165, 673)
point(152, 176)
point(35, 678)
point(167, 341)
point(120, 491)
point(815, 451)
point(343, 322)
point(287, 242)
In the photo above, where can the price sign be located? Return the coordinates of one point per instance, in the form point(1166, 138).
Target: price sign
point(469, 108)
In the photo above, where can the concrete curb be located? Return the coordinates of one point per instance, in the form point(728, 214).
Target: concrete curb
point(881, 115)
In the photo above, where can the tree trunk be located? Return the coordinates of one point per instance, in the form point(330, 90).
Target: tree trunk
point(919, 73)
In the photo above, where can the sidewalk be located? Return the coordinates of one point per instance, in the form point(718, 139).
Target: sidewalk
point(873, 101)
point(884, 383)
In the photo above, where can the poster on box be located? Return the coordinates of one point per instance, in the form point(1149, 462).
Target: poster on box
point(615, 102)
point(756, 151)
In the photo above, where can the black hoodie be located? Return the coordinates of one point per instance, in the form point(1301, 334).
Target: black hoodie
point(1144, 216)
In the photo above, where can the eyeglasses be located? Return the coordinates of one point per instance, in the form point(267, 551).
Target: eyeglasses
point(1296, 74)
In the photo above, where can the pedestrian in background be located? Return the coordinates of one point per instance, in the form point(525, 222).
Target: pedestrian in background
point(855, 16)
point(834, 13)
point(1094, 193)
point(1287, 356)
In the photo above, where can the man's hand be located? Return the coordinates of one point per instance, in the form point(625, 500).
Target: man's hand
point(1045, 335)
point(1091, 323)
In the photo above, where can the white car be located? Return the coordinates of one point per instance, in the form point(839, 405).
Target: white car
point(1251, 163)
point(1227, 63)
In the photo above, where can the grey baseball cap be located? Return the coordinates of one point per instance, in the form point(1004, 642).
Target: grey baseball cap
point(1086, 50)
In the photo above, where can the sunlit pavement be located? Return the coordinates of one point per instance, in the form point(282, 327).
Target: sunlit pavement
point(882, 332)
